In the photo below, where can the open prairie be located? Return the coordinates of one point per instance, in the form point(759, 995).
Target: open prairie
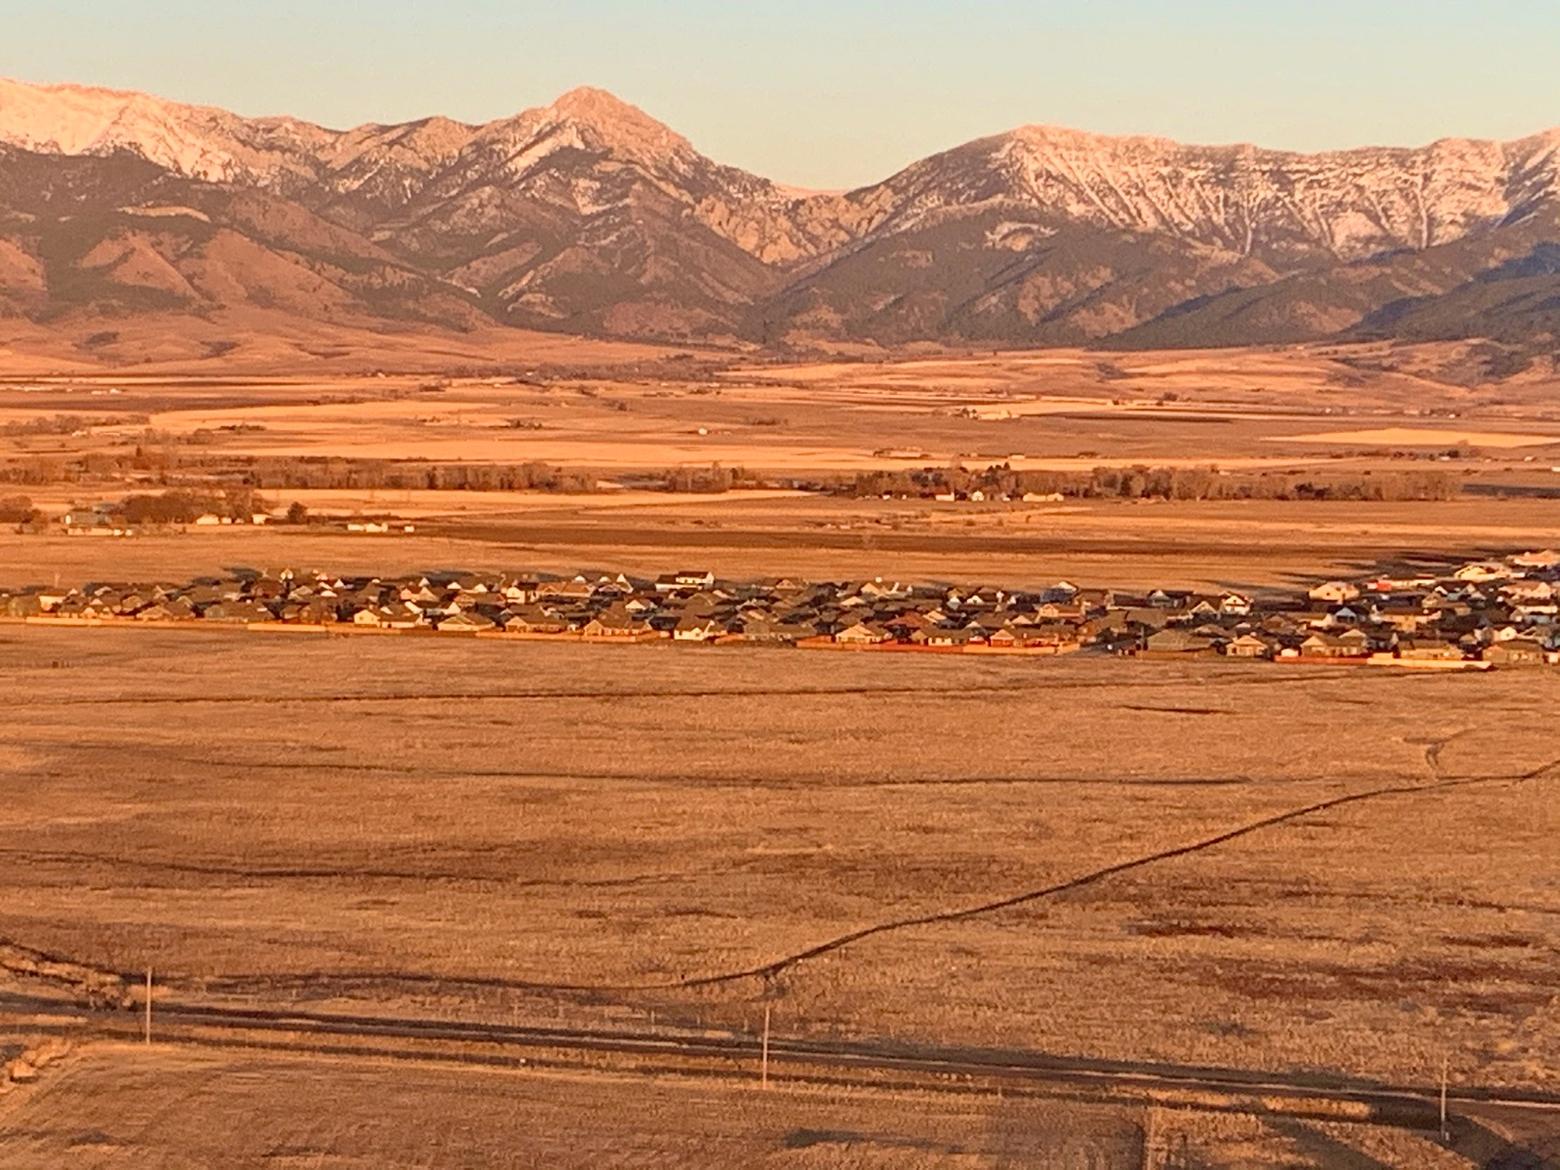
point(115, 1104)
point(1258, 545)
point(1195, 864)
point(613, 415)
point(253, 343)
point(620, 409)
point(251, 1110)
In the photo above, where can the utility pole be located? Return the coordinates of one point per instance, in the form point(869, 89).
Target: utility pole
point(764, 1074)
point(147, 1020)
point(1446, 1134)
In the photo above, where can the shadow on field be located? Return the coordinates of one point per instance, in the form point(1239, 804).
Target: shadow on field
point(1322, 1149)
point(1489, 1150)
point(1414, 562)
point(1030, 1134)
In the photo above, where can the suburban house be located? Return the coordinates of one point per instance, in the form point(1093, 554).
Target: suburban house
point(1335, 592)
point(1516, 652)
point(1485, 614)
point(685, 579)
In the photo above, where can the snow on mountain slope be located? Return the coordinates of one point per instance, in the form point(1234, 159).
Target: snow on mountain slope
point(1279, 205)
point(194, 141)
point(1276, 204)
point(552, 149)
point(588, 214)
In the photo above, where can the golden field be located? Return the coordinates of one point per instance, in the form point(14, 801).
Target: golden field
point(274, 816)
point(113, 1104)
point(615, 414)
point(451, 828)
point(618, 409)
point(1185, 544)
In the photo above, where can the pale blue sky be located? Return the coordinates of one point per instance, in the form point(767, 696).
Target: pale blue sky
point(836, 93)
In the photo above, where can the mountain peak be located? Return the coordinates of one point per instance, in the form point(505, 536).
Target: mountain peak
point(1047, 135)
point(1050, 132)
point(589, 101)
point(615, 121)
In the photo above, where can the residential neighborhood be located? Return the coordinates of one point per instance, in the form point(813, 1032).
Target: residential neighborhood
point(1482, 614)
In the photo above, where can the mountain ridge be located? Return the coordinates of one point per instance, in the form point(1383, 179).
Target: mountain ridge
point(589, 215)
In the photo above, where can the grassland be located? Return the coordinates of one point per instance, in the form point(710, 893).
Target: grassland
point(473, 831)
point(1202, 545)
point(487, 827)
point(109, 1105)
point(618, 414)
point(624, 410)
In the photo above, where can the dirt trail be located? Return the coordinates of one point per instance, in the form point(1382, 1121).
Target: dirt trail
point(23, 960)
point(724, 779)
point(941, 690)
point(99, 987)
point(839, 942)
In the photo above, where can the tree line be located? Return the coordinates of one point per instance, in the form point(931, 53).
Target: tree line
point(184, 506)
point(1157, 483)
point(66, 424)
point(171, 466)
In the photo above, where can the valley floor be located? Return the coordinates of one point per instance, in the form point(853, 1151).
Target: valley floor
point(534, 834)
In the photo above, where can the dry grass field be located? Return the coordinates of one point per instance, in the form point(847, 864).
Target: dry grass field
point(329, 1114)
point(255, 343)
point(113, 1105)
point(616, 414)
point(457, 829)
point(468, 827)
point(619, 409)
point(1203, 545)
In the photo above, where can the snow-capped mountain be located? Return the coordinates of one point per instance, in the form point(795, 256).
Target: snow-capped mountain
point(196, 142)
point(1055, 235)
point(1276, 205)
point(589, 215)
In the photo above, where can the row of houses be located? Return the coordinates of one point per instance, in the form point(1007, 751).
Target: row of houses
point(1501, 612)
point(1505, 612)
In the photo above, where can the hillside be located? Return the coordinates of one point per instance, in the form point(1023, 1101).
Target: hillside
point(588, 216)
